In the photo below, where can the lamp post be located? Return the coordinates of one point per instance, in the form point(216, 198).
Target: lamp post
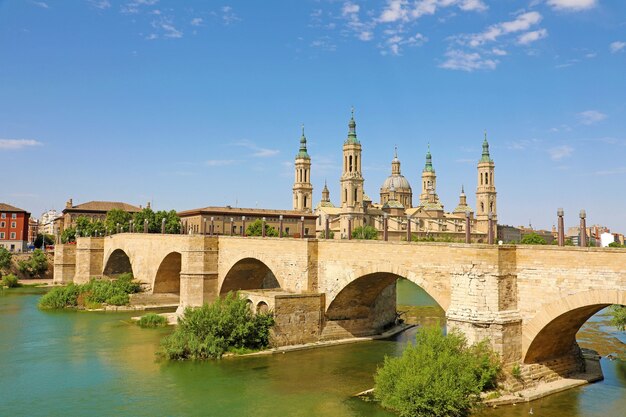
point(490, 229)
point(280, 226)
point(243, 226)
point(408, 229)
point(468, 232)
point(583, 229)
point(349, 227)
point(263, 227)
point(302, 227)
point(231, 226)
point(327, 228)
point(561, 236)
point(385, 227)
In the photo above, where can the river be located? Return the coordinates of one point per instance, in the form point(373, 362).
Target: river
point(71, 363)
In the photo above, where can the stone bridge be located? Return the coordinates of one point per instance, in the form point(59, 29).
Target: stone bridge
point(528, 301)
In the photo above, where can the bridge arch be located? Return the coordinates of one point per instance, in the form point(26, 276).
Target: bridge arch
point(551, 333)
point(117, 263)
point(167, 278)
point(249, 273)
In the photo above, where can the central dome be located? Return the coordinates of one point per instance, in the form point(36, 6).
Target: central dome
point(398, 182)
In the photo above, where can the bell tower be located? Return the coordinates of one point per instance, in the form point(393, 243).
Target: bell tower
point(302, 187)
point(486, 190)
point(429, 179)
point(351, 178)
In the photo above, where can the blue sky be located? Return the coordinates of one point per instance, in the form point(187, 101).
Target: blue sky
point(189, 104)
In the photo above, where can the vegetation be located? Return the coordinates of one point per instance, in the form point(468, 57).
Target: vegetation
point(5, 258)
point(447, 239)
point(365, 232)
point(256, 229)
point(40, 239)
point(10, 281)
point(516, 371)
point(92, 294)
point(115, 217)
point(322, 235)
point(619, 317)
point(35, 265)
point(533, 239)
point(615, 245)
point(68, 235)
point(438, 376)
point(152, 320)
point(172, 221)
point(214, 329)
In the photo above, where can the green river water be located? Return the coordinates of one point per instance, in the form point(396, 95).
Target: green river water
point(74, 363)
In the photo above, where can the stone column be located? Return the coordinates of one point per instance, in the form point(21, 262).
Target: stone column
point(561, 239)
point(408, 229)
point(212, 227)
point(89, 258)
point(302, 227)
point(130, 226)
point(204, 231)
point(198, 275)
point(468, 231)
point(145, 226)
point(327, 228)
point(280, 226)
point(386, 227)
point(582, 241)
point(263, 227)
point(231, 226)
point(490, 229)
point(349, 227)
point(243, 226)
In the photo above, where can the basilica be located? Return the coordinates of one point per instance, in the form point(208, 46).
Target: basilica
point(425, 220)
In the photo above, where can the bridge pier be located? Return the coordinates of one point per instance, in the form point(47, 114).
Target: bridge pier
point(89, 258)
point(199, 272)
point(64, 264)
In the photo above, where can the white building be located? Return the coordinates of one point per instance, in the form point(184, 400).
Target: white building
point(46, 222)
point(606, 238)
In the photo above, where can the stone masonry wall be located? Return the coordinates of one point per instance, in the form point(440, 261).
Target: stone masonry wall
point(64, 263)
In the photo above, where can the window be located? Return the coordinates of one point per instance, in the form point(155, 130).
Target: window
point(14, 216)
point(306, 231)
point(287, 231)
point(3, 216)
point(1, 235)
point(13, 225)
point(12, 235)
point(3, 224)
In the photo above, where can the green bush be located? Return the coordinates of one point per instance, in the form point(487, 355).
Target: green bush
point(60, 297)
point(213, 329)
point(92, 294)
point(438, 376)
point(365, 232)
point(152, 320)
point(533, 239)
point(256, 229)
point(36, 264)
point(619, 317)
point(10, 281)
point(615, 245)
point(5, 258)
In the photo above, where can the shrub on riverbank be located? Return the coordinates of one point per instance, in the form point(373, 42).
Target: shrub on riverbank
point(36, 265)
point(152, 320)
point(10, 281)
point(92, 294)
point(214, 329)
point(437, 376)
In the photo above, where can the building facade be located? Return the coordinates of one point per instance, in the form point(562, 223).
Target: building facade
point(426, 220)
point(14, 228)
point(94, 210)
point(46, 222)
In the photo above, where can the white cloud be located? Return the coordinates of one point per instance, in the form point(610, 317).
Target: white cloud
point(13, 144)
point(258, 152)
point(405, 11)
point(228, 16)
point(350, 8)
point(559, 152)
point(521, 23)
point(459, 60)
point(220, 162)
point(572, 5)
point(197, 21)
point(499, 52)
point(100, 4)
point(617, 46)
point(590, 117)
point(396, 41)
point(41, 4)
point(530, 37)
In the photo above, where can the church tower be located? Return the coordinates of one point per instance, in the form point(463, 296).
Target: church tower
point(429, 179)
point(351, 178)
point(486, 190)
point(302, 187)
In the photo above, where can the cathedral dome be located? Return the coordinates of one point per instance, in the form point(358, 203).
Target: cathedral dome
point(398, 182)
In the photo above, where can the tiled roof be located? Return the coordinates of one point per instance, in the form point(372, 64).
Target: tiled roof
point(243, 212)
point(10, 208)
point(104, 206)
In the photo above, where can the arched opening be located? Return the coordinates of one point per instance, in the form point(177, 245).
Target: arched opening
point(558, 338)
point(167, 278)
point(249, 274)
point(369, 305)
point(118, 263)
point(262, 308)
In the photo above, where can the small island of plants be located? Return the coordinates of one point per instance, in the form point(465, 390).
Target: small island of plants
point(226, 325)
point(93, 294)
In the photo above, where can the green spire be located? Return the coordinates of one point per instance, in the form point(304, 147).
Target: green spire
point(352, 130)
point(303, 154)
point(485, 157)
point(429, 161)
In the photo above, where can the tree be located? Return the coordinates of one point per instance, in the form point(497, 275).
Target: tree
point(115, 217)
point(322, 235)
point(140, 217)
point(40, 239)
point(5, 258)
point(36, 265)
point(172, 221)
point(619, 317)
point(256, 228)
point(88, 227)
point(68, 235)
point(365, 232)
point(533, 239)
point(437, 376)
point(615, 245)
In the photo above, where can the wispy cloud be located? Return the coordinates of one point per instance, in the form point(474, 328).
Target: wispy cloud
point(572, 5)
point(135, 6)
point(41, 4)
point(100, 4)
point(324, 43)
point(258, 152)
point(464, 61)
point(522, 144)
point(615, 171)
point(617, 46)
point(197, 21)
point(522, 22)
point(228, 15)
point(590, 117)
point(13, 144)
point(559, 152)
point(220, 162)
point(530, 37)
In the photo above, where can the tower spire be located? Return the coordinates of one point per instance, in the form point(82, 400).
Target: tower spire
point(429, 161)
point(303, 151)
point(485, 156)
point(352, 129)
